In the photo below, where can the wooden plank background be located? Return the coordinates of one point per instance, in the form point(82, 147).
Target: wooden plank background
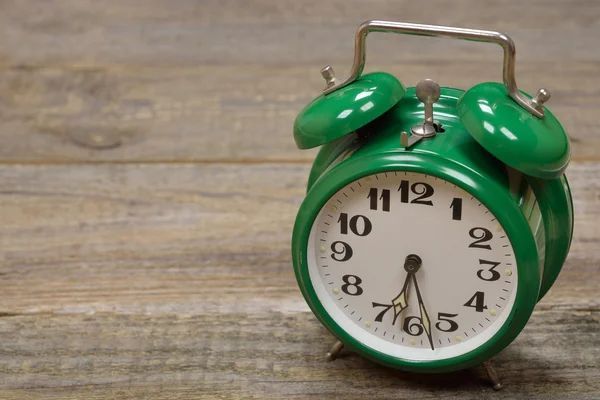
point(161, 268)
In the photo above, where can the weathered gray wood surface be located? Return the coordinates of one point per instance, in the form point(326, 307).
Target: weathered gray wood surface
point(269, 355)
point(223, 80)
point(161, 268)
point(176, 279)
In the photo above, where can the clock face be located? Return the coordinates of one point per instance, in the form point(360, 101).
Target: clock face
point(412, 266)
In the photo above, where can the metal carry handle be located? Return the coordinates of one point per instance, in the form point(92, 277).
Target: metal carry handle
point(534, 106)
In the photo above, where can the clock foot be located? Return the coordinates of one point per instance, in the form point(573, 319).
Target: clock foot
point(492, 374)
point(335, 350)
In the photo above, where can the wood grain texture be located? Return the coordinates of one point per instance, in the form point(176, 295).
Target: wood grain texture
point(175, 281)
point(191, 238)
point(274, 33)
point(269, 356)
point(224, 80)
point(224, 114)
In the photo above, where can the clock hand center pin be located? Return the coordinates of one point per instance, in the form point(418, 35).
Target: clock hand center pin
point(412, 263)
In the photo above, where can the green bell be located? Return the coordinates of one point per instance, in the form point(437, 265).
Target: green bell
point(535, 146)
point(331, 116)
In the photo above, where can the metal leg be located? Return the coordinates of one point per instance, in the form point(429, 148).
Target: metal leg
point(335, 350)
point(492, 374)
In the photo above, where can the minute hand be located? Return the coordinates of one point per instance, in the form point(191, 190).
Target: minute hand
point(424, 317)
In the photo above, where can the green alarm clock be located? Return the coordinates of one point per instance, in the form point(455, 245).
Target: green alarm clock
point(435, 218)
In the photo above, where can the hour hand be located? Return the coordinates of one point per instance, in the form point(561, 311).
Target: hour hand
point(400, 302)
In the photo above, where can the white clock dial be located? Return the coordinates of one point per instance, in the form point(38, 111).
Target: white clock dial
point(356, 259)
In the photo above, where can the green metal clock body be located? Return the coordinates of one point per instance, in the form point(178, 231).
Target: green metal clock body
point(532, 218)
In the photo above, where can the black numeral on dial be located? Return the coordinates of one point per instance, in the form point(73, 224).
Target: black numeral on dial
point(364, 230)
point(451, 326)
point(476, 302)
point(495, 274)
point(456, 207)
point(424, 190)
point(481, 235)
point(386, 308)
point(374, 199)
point(415, 329)
point(445, 324)
point(354, 284)
point(341, 251)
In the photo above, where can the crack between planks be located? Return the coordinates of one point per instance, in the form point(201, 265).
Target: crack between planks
point(10, 314)
point(217, 161)
point(242, 161)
